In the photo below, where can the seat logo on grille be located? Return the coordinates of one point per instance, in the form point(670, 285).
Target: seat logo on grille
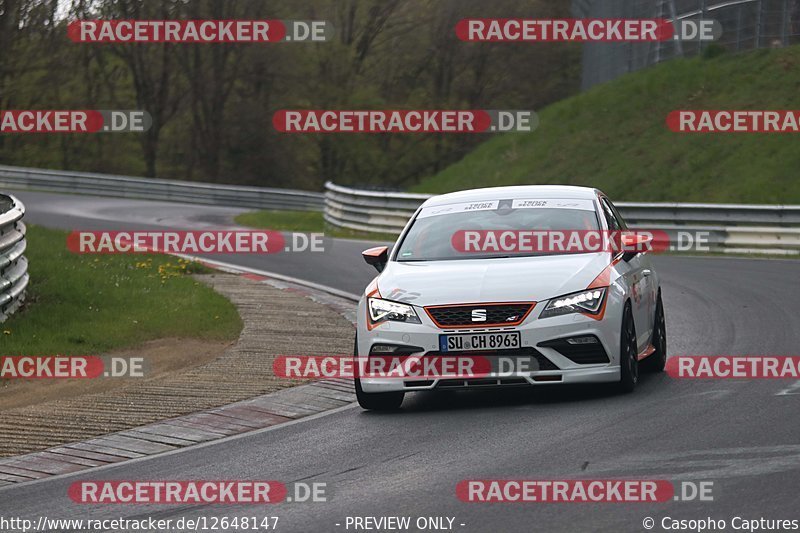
point(479, 315)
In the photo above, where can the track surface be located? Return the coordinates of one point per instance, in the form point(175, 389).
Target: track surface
point(743, 435)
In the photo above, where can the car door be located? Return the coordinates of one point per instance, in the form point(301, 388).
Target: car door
point(649, 280)
point(635, 273)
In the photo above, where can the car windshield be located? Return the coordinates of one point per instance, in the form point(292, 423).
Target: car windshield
point(437, 233)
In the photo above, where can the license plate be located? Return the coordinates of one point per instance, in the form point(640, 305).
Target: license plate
point(472, 342)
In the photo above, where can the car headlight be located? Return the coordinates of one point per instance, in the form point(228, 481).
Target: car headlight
point(383, 310)
point(588, 301)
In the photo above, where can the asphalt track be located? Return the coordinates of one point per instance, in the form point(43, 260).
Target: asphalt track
point(742, 435)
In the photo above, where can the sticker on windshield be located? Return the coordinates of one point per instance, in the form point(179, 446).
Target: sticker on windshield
point(464, 207)
point(519, 203)
point(532, 203)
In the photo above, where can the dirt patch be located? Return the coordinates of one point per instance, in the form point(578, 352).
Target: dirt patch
point(190, 375)
point(162, 357)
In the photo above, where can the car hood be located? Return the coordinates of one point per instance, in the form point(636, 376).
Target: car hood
point(489, 280)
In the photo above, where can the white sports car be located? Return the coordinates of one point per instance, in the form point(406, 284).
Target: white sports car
point(553, 315)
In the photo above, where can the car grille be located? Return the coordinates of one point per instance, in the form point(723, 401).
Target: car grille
point(542, 362)
point(485, 382)
point(460, 316)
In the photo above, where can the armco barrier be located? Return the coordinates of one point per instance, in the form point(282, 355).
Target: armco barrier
point(13, 265)
point(369, 210)
point(157, 189)
point(731, 227)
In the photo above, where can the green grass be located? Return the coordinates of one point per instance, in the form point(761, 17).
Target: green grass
point(304, 221)
point(614, 137)
point(85, 304)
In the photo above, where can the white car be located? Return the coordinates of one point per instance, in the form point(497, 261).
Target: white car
point(583, 316)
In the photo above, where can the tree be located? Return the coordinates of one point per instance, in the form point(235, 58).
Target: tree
point(153, 70)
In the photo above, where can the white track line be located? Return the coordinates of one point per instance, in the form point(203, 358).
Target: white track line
point(792, 390)
point(230, 267)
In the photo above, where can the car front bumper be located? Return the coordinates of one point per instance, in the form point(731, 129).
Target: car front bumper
point(533, 332)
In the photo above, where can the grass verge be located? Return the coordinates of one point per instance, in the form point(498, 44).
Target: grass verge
point(84, 304)
point(614, 137)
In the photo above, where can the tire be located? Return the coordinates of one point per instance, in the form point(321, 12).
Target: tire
point(381, 401)
point(658, 359)
point(628, 353)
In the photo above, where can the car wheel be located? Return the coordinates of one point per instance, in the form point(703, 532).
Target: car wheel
point(628, 356)
point(380, 401)
point(658, 359)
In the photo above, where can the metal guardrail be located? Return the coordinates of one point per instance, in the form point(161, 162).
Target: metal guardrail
point(371, 211)
point(158, 189)
point(13, 265)
point(731, 227)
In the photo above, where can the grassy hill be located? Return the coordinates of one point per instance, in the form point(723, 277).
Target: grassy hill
point(614, 137)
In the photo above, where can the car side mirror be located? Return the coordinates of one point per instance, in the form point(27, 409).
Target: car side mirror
point(634, 244)
point(377, 257)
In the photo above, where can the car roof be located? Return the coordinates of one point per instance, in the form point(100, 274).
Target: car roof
point(565, 192)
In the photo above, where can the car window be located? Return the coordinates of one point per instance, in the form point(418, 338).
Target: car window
point(620, 220)
point(612, 218)
point(431, 235)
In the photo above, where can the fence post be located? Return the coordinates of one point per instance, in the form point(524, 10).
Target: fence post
point(703, 13)
point(759, 8)
point(785, 23)
point(659, 15)
point(739, 28)
point(673, 13)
